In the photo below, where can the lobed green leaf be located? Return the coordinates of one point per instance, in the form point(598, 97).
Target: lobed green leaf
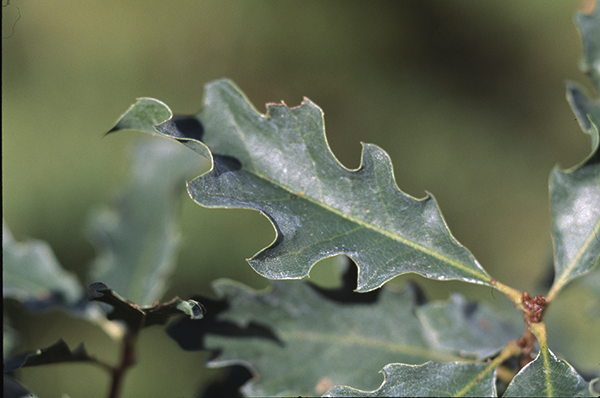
point(575, 193)
point(281, 165)
point(317, 342)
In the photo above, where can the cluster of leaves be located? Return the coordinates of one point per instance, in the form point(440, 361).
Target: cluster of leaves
point(295, 338)
point(136, 240)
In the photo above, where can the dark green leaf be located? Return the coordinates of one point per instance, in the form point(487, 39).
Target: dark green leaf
point(548, 376)
point(317, 343)
point(137, 240)
point(575, 193)
point(137, 317)
point(31, 274)
point(429, 380)
point(56, 353)
point(281, 165)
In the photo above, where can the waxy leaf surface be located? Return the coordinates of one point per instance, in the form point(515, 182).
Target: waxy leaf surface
point(281, 165)
point(137, 239)
point(575, 193)
point(317, 343)
point(429, 380)
point(548, 376)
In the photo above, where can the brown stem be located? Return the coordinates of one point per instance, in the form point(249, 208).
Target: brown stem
point(127, 359)
point(526, 343)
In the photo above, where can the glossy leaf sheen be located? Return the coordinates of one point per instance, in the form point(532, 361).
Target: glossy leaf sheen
point(280, 164)
point(548, 376)
point(575, 193)
point(429, 380)
point(343, 343)
point(137, 239)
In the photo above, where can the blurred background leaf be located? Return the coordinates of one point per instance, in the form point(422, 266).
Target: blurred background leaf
point(137, 239)
point(467, 98)
point(31, 274)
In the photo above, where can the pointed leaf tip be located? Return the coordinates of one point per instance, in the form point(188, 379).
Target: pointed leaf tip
point(281, 165)
point(143, 115)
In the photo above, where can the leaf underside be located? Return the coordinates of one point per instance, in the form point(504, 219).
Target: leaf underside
point(281, 165)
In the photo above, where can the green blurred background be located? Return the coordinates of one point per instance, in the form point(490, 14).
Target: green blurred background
point(466, 96)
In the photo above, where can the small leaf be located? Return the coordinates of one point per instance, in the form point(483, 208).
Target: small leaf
point(575, 193)
point(429, 380)
point(143, 115)
point(293, 324)
point(281, 165)
point(56, 353)
point(147, 113)
point(31, 274)
point(137, 240)
point(548, 376)
point(137, 317)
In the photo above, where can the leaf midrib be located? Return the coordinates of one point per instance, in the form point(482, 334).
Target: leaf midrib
point(363, 340)
point(478, 273)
